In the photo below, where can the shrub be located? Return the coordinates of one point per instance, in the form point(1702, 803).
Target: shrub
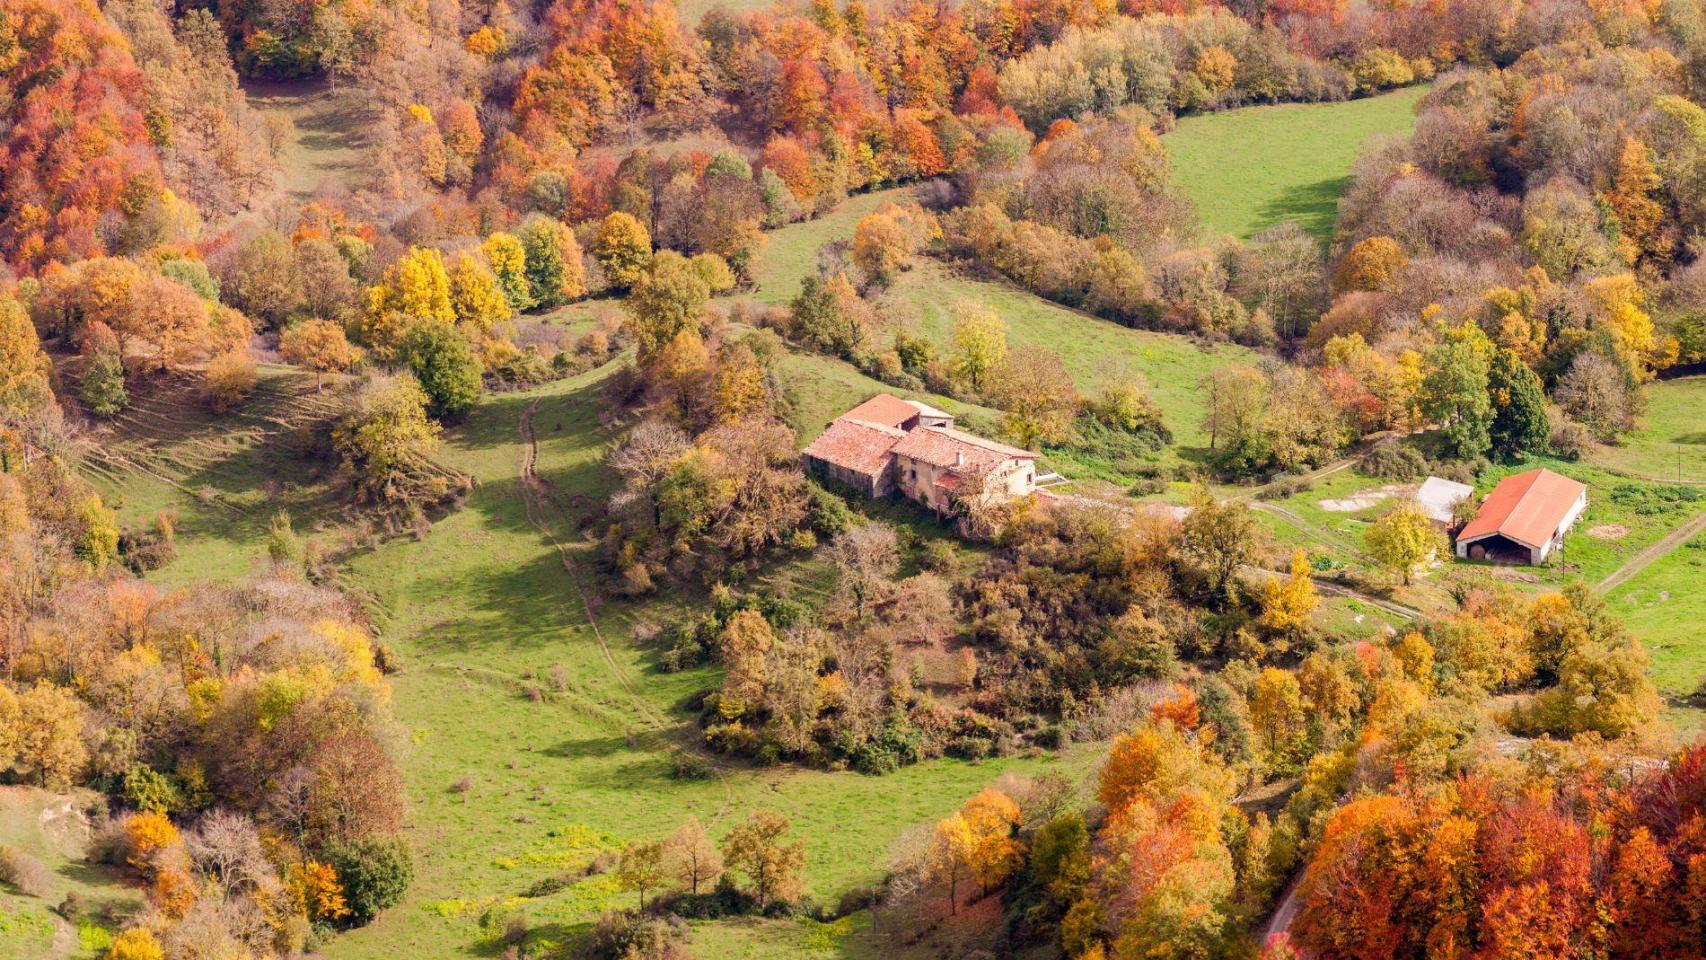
point(229, 380)
point(103, 385)
point(629, 936)
point(827, 512)
point(686, 765)
point(374, 873)
point(939, 556)
point(1394, 461)
point(152, 791)
point(1569, 439)
point(25, 873)
point(137, 943)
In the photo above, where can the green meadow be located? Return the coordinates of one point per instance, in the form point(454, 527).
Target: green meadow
point(1249, 169)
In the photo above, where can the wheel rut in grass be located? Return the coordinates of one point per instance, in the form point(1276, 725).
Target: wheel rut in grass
point(542, 511)
point(1647, 557)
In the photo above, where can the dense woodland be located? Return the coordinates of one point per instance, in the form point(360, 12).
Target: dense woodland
point(1507, 280)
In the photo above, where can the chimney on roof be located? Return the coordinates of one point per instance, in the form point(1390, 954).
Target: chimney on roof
point(959, 458)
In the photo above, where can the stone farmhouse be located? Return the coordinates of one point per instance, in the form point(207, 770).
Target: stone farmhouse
point(887, 444)
point(1524, 519)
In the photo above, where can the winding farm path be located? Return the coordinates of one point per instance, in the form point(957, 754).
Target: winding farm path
point(542, 509)
point(1647, 557)
point(543, 513)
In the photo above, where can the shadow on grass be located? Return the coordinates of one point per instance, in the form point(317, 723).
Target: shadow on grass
point(1314, 206)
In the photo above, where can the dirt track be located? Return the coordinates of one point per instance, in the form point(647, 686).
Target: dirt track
point(1645, 558)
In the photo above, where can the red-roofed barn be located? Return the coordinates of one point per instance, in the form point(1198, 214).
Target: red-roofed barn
point(1524, 518)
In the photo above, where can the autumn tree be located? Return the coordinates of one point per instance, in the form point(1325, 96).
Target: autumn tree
point(992, 820)
point(1153, 763)
point(1635, 199)
point(1287, 603)
point(555, 274)
point(744, 646)
point(416, 288)
point(508, 259)
point(1376, 263)
point(319, 345)
point(1235, 402)
point(640, 868)
point(624, 248)
point(386, 438)
point(476, 298)
point(1038, 396)
point(1403, 538)
point(1597, 393)
point(229, 379)
point(978, 843)
point(262, 281)
point(23, 365)
point(1221, 537)
point(980, 345)
point(773, 866)
point(690, 856)
point(1277, 711)
point(667, 300)
point(49, 745)
point(867, 556)
point(885, 242)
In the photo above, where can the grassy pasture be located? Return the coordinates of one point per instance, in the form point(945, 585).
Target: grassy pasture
point(321, 132)
point(51, 828)
point(1672, 437)
point(222, 477)
point(1096, 351)
point(1664, 606)
point(1252, 168)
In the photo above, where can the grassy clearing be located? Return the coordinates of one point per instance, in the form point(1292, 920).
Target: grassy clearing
point(1096, 351)
point(791, 254)
point(1664, 606)
point(1252, 168)
point(1672, 438)
point(222, 477)
point(51, 828)
point(320, 126)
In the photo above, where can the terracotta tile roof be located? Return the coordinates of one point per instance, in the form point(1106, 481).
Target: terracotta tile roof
point(857, 445)
point(1525, 507)
point(884, 408)
point(947, 447)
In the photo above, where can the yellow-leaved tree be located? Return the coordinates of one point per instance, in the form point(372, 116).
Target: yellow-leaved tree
point(415, 288)
point(23, 365)
point(1287, 603)
point(1402, 539)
